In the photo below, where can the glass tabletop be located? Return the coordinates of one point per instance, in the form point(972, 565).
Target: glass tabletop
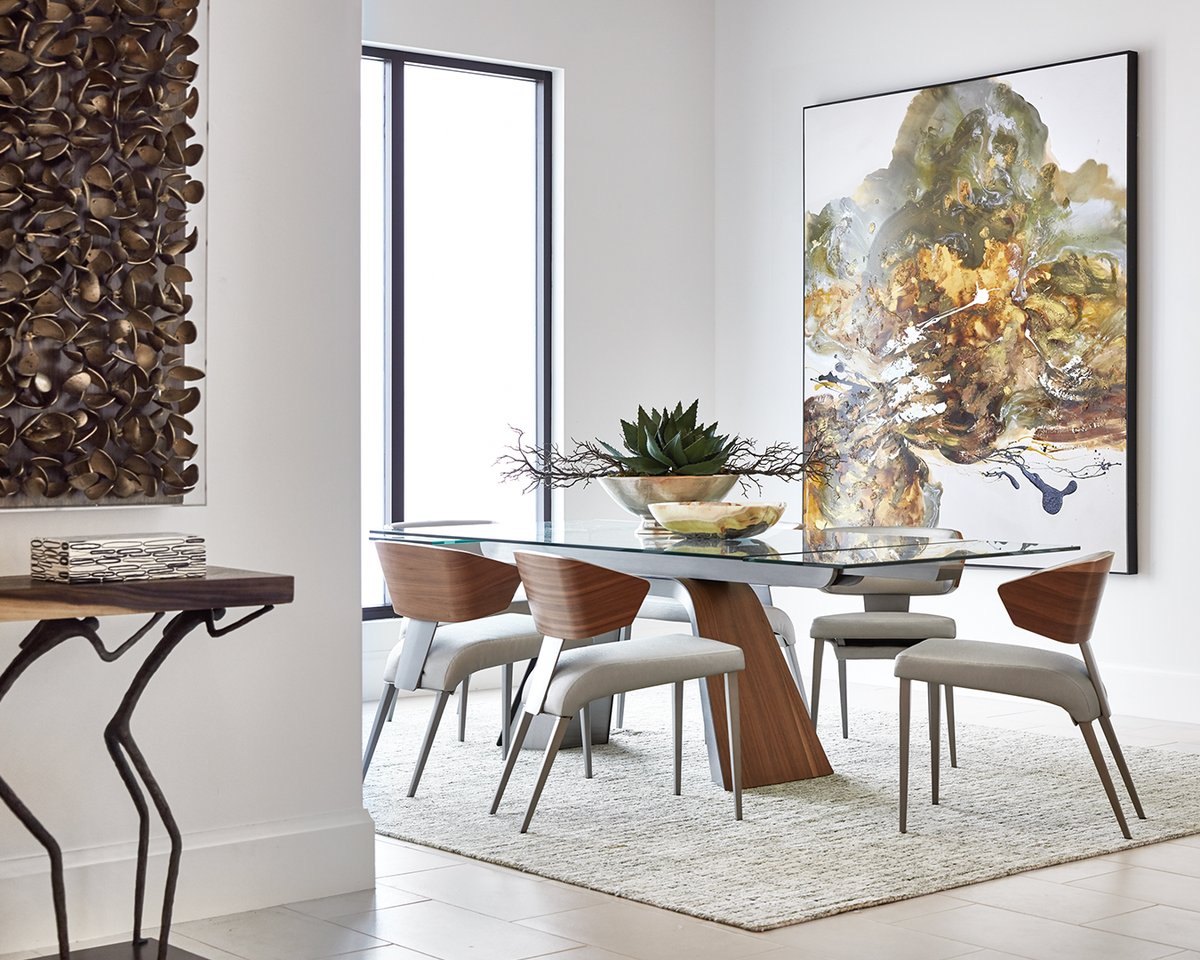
point(784, 543)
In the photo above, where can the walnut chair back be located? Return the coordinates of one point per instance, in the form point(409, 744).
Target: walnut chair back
point(1059, 602)
point(442, 585)
point(573, 600)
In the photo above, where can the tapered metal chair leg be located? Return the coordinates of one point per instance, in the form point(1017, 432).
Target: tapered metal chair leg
point(789, 653)
point(462, 708)
point(935, 737)
point(1111, 736)
point(585, 736)
point(677, 718)
point(435, 717)
point(556, 739)
point(386, 703)
point(950, 726)
point(506, 674)
point(619, 721)
point(905, 710)
point(510, 761)
point(842, 696)
point(1089, 736)
point(391, 711)
point(733, 713)
point(818, 654)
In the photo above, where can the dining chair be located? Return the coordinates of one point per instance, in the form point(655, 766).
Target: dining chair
point(572, 601)
point(886, 626)
point(455, 604)
point(1060, 603)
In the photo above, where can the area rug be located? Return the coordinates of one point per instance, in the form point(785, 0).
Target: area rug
point(804, 850)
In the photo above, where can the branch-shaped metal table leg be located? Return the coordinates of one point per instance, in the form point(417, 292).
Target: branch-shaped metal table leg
point(124, 751)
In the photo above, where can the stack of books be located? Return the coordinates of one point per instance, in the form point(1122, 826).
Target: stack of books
point(130, 556)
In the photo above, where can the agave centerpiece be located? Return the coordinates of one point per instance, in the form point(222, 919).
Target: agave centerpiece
point(668, 456)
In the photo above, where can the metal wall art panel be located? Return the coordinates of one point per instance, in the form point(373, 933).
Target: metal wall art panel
point(98, 355)
point(969, 279)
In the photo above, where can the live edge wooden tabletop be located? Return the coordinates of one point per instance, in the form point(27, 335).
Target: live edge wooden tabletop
point(23, 598)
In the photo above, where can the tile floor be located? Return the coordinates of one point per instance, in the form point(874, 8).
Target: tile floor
point(1137, 905)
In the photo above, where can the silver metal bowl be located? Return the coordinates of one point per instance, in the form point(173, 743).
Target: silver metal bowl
point(636, 494)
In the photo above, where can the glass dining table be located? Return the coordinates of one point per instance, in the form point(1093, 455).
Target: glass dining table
point(721, 584)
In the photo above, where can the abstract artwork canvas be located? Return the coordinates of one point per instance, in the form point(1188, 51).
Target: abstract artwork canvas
point(969, 281)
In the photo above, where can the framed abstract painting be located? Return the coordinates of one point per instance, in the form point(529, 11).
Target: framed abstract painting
point(969, 295)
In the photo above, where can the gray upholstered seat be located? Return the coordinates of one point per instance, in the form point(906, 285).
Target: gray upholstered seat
point(882, 625)
point(587, 674)
point(462, 649)
point(1021, 671)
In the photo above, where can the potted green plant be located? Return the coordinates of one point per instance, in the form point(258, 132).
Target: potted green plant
point(666, 456)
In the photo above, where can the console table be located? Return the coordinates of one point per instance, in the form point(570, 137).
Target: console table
point(67, 611)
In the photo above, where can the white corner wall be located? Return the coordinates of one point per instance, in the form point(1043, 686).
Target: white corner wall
point(775, 56)
point(256, 736)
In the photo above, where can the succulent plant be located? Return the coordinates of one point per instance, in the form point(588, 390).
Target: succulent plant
point(667, 441)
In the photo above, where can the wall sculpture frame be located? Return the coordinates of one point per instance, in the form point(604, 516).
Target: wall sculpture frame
point(100, 347)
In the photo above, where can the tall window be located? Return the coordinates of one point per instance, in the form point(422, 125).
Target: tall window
point(455, 288)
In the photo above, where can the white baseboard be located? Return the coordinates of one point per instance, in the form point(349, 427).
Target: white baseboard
point(223, 871)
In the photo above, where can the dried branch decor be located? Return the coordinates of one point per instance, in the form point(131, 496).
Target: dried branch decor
point(95, 99)
point(666, 443)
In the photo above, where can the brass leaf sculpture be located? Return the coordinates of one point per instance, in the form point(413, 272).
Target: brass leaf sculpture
point(95, 99)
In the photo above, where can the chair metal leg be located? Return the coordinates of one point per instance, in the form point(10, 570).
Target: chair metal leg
point(842, 696)
point(950, 726)
point(1089, 736)
point(435, 717)
point(818, 653)
point(733, 712)
point(556, 738)
point(677, 717)
point(905, 710)
point(387, 703)
point(1111, 736)
point(789, 653)
point(510, 761)
point(585, 731)
point(391, 710)
point(462, 708)
point(935, 737)
point(506, 674)
point(619, 721)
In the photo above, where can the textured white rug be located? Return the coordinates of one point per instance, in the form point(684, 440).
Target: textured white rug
point(804, 850)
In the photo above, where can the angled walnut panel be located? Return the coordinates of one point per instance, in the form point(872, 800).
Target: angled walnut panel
point(779, 742)
point(1059, 602)
point(447, 586)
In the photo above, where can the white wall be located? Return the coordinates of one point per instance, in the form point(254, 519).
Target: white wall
point(775, 56)
point(634, 205)
point(255, 736)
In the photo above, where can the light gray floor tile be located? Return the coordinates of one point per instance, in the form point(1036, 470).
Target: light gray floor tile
point(277, 934)
point(1034, 937)
point(649, 934)
point(396, 858)
point(1076, 870)
point(506, 895)
point(1172, 857)
point(390, 952)
point(1190, 841)
point(851, 936)
point(362, 901)
point(449, 932)
point(1156, 886)
point(1180, 928)
point(1055, 901)
point(584, 953)
point(914, 907)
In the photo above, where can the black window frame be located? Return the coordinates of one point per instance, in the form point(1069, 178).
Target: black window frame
point(544, 81)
